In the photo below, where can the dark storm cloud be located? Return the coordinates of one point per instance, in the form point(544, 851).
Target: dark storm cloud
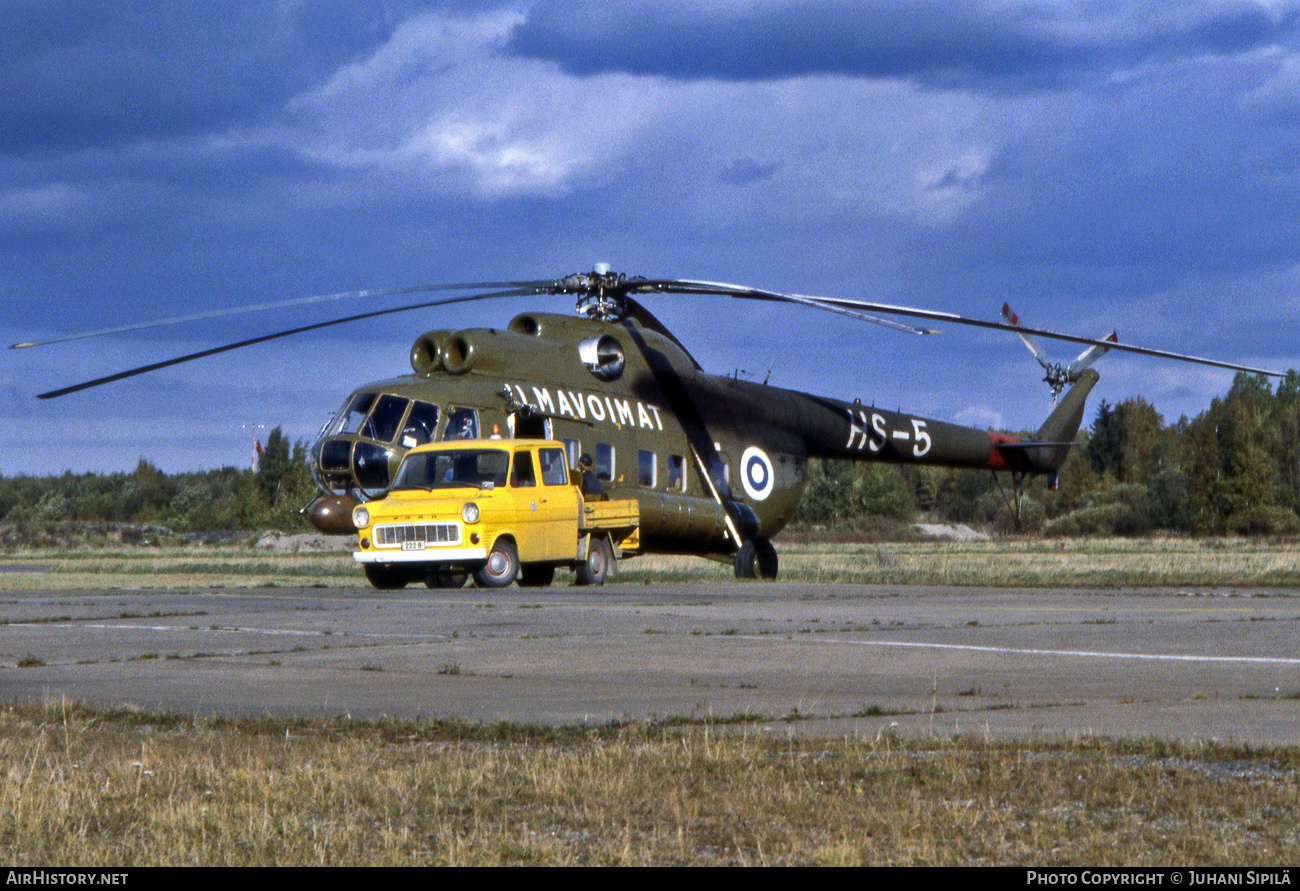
point(992, 47)
point(99, 71)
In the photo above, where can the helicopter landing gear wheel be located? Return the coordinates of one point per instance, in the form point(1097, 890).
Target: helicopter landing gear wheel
point(501, 567)
point(599, 564)
point(756, 559)
point(445, 578)
point(536, 575)
point(386, 578)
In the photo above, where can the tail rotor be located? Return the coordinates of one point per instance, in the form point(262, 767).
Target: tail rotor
point(1058, 376)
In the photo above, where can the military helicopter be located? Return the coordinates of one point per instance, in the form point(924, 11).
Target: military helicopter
point(717, 464)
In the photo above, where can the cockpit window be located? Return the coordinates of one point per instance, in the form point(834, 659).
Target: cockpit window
point(447, 469)
point(350, 418)
point(385, 418)
point(462, 423)
point(420, 425)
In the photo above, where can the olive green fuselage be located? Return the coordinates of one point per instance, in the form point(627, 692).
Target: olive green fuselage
point(694, 449)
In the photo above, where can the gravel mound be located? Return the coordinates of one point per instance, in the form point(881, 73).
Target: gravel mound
point(304, 541)
point(951, 531)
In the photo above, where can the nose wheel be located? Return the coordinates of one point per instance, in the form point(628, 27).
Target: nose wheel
point(756, 559)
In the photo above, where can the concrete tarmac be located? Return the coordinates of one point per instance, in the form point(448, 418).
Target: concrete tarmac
point(829, 660)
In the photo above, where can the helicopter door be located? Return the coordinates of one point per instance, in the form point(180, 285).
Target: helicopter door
point(531, 428)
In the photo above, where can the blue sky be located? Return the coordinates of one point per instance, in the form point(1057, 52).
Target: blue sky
point(1122, 164)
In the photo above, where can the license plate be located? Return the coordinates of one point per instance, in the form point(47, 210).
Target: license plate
point(413, 546)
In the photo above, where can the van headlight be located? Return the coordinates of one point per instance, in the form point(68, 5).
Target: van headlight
point(469, 513)
point(360, 517)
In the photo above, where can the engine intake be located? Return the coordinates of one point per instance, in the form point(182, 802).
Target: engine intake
point(602, 356)
point(426, 352)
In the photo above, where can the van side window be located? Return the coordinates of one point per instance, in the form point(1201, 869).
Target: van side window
point(554, 472)
point(521, 474)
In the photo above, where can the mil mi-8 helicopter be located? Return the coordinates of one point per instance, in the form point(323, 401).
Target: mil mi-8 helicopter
point(716, 464)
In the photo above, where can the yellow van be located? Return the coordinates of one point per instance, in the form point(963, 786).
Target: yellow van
point(493, 509)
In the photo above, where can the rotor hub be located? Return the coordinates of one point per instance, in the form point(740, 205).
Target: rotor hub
point(600, 293)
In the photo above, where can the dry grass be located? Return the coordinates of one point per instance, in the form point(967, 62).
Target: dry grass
point(86, 788)
point(1015, 563)
point(1011, 563)
point(79, 787)
point(129, 567)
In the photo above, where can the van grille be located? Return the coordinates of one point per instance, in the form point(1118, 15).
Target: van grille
point(427, 533)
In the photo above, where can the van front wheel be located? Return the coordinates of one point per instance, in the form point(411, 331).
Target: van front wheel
point(501, 567)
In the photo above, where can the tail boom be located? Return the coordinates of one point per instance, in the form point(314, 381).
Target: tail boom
point(874, 434)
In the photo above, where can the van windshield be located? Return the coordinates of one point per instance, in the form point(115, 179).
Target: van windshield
point(452, 468)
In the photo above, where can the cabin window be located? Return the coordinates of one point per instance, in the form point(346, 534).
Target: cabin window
point(521, 474)
point(645, 468)
point(370, 464)
point(531, 428)
point(721, 476)
point(604, 461)
point(462, 423)
point(554, 472)
point(677, 473)
point(420, 424)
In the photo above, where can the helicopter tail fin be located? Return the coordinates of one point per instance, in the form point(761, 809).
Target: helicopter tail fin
point(1051, 445)
point(1064, 421)
point(1062, 425)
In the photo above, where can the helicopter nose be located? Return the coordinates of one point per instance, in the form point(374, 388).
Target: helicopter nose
point(370, 465)
point(350, 464)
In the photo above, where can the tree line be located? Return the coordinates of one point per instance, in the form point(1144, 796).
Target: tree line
point(1233, 469)
point(267, 497)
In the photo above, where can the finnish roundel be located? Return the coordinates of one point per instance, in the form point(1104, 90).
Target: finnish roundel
point(756, 473)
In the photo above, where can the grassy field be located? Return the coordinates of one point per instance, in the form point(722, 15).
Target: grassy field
point(86, 788)
point(1014, 563)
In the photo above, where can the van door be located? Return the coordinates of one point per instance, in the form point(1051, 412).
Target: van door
point(561, 503)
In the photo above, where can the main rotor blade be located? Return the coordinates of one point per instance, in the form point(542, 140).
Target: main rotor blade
point(535, 287)
point(650, 321)
point(145, 369)
point(688, 286)
point(834, 304)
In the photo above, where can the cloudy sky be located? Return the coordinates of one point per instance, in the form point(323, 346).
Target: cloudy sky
point(1132, 164)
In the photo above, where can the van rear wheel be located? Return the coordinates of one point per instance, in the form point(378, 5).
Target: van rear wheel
point(599, 564)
